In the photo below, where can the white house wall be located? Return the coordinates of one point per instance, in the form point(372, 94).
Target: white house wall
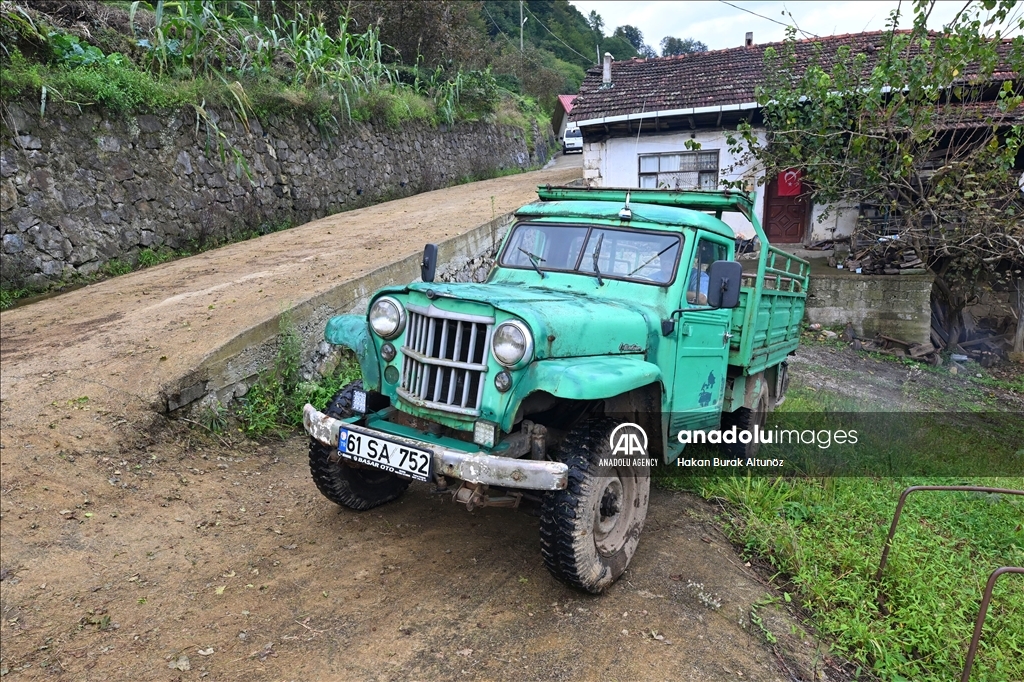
point(614, 163)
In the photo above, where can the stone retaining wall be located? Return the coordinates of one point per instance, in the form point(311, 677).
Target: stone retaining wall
point(895, 305)
point(78, 190)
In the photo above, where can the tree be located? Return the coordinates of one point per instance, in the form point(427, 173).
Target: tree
point(631, 34)
point(925, 129)
point(596, 22)
point(670, 47)
point(634, 37)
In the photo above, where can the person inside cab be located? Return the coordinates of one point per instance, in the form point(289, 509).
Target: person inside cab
point(707, 253)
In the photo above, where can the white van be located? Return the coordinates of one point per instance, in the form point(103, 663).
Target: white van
point(572, 141)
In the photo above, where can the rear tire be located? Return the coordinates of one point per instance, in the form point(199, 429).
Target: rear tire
point(744, 419)
point(351, 486)
point(589, 531)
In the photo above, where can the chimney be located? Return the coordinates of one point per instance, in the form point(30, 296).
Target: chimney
point(748, 41)
point(606, 80)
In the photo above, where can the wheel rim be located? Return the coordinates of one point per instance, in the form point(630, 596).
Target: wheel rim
point(615, 501)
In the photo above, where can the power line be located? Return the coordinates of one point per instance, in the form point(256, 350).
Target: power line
point(484, 8)
point(774, 21)
point(511, 42)
point(553, 35)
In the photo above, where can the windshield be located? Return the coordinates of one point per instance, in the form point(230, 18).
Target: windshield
point(573, 132)
point(648, 257)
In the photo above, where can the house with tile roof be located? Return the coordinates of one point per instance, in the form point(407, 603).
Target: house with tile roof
point(560, 118)
point(664, 122)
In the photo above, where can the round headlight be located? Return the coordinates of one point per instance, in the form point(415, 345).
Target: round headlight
point(387, 317)
point(512, 344)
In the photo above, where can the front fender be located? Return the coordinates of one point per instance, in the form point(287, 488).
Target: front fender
point(352, 331)
point(588, 378)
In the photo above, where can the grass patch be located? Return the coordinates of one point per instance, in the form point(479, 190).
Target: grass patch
point(274, 403)
point(8, 297)
point(150, 257)
point(824, 536)
point(115, 267)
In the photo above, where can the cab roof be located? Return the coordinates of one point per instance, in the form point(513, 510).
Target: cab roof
point(644, 215)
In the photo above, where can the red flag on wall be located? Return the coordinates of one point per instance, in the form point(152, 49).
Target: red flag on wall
point(789, 183)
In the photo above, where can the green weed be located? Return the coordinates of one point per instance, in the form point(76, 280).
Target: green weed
point(115, 267)
point(150, 257)
point(214, 417)
point(8, 297)
point(274, 403)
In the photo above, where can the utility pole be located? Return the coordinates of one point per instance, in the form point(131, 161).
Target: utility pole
point(521, 22)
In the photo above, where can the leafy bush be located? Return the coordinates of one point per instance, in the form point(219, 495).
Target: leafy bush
point(68, 51)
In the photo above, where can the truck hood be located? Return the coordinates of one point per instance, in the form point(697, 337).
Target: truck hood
point(564, 324)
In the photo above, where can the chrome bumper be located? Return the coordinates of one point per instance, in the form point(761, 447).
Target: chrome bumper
point(474, 467)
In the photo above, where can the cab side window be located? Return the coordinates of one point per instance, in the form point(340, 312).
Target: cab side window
point(707, 253)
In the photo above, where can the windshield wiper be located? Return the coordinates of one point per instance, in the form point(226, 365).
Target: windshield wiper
point(650, 260)
point(597, 255)
point(534, 259)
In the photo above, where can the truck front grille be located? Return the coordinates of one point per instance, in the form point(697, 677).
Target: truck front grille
point(445, 359)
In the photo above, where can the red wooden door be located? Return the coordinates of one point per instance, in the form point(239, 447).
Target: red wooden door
point(784, 217)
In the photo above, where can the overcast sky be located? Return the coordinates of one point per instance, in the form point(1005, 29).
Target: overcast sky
point(719, 25)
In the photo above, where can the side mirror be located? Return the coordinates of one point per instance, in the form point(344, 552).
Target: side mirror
point(724, 284)
point(429, 264)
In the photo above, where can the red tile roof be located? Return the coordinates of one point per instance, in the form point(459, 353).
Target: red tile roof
point(703, 79)
point(567, 102)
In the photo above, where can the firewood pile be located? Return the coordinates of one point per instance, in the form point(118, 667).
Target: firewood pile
point(884, 257)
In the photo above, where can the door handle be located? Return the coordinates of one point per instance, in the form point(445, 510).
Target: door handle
point(725, 337)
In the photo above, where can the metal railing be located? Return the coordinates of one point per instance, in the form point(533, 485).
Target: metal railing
point(986, 597)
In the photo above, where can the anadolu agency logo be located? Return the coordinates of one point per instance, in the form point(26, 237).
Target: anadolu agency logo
point(628, 443)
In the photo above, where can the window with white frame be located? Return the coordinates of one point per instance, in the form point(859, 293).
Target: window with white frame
point(680, 170)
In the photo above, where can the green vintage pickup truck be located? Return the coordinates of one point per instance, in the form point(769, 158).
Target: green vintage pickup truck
point(612, 320)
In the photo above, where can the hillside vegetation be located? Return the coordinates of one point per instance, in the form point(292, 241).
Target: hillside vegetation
point(371, 60)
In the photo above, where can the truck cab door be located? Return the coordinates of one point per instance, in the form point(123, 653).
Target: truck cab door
point(702, 346)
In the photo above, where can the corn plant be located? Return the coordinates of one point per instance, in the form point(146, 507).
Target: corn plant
point(193, 33)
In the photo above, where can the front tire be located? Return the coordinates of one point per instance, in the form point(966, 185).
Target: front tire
point(343, 483)
point(589, 531)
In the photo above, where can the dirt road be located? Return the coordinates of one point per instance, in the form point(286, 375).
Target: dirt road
point(121, 341)
point(140, 549)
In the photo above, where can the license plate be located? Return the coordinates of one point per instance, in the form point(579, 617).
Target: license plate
point(393, 457)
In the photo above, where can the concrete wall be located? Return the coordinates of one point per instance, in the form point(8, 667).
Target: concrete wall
point(894, 305)
point(614, 163)
point(80, 189)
